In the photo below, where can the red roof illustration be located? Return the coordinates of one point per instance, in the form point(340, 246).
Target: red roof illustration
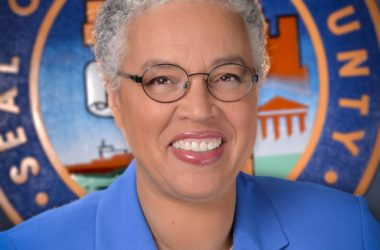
point(281, 103)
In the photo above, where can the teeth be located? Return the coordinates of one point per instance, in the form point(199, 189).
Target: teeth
point(194, 146)
point(203, 146)
point(198, 145)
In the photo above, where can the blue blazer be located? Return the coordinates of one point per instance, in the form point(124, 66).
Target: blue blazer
point(270, 214)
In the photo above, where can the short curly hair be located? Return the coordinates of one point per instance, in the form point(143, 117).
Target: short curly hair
point(112, 24)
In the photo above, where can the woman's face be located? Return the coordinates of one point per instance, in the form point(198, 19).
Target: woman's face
point(197, 37)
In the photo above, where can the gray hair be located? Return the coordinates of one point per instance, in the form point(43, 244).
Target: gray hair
point(112, 21)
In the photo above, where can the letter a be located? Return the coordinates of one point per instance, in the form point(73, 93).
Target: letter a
point(7, 101)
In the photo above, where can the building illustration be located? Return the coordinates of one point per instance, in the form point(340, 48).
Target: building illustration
point(281, 108)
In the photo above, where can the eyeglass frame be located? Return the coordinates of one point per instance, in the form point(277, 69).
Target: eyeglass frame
point(139, 79)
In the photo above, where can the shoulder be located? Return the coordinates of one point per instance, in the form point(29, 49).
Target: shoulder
point(300, 193)
point(294, 200)
point(66, 227)
point(310, 211)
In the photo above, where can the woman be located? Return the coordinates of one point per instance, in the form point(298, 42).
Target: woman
point(183, 79)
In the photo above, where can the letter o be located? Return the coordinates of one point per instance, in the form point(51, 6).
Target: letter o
point(23, 10)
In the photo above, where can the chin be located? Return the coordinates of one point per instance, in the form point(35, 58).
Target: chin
point(201, 189)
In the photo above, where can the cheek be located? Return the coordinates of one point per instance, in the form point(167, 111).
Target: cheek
point(247, 123)
point(245, 117)
point(131, 116)
point(143, 121)
point(244, 122)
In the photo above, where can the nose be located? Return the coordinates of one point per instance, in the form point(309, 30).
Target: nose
point(197, 104)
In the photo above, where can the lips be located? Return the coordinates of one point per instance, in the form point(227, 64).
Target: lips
point(199, 148)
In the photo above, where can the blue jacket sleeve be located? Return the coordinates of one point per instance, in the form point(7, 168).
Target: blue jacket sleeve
point(6, 243)
point(370, 227)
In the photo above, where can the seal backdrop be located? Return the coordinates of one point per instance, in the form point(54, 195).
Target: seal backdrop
point(318, 112)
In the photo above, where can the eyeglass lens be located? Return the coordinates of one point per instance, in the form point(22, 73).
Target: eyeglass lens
point(168, 83)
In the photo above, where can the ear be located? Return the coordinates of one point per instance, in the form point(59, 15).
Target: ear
point(114, 104)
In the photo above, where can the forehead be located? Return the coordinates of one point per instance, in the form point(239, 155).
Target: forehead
point(187, 31)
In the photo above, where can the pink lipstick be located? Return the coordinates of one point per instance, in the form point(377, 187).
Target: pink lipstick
point(198, 147)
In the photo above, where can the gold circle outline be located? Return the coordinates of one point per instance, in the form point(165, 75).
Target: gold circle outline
point(8, 208)
point(374, 160)
point(323, 87)
point(34, 99)
point(374, 12)
point(45, 27)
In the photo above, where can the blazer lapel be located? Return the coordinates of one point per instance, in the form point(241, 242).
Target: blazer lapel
point(120, 221)
point(256, 225)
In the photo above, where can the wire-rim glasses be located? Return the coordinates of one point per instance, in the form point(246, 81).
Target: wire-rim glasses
point(167, 83)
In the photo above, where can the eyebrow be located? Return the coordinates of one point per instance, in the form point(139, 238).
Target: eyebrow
point(215, 62)
point(153, 62)
point(229, 59)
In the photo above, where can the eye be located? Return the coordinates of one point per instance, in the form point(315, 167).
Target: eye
point(227, 79)
point(160, 80)
point(230, 78)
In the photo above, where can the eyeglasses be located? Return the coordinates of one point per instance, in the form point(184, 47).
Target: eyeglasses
point(167, 83)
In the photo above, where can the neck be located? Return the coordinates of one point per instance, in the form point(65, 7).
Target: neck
point(181, 224)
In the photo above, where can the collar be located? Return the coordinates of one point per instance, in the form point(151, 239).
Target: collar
point(121, 223)
point(256, 224)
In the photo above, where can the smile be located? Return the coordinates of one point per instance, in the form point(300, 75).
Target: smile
point(198, 145)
